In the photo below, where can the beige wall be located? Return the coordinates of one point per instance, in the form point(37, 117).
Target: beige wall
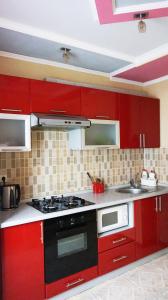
point(160, 90)
point(21, 68)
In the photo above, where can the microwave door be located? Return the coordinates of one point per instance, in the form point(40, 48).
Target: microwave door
point(112, 218)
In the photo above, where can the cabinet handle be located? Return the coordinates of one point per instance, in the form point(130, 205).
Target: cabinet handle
point(75, 282)
point(11, 109)
point(120, 240)
point(160, 203)
point(41, 235)
point(11, 150)
point(58, 111)
point(119, 258)
point(143, 140)
point(140, 140)
point(156, 204)
point(103, 117)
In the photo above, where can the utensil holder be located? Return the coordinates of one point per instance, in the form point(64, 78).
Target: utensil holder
point(98, 187)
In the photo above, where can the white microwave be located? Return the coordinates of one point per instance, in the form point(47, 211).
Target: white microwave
point(15, 133)
point(101, 134)
point(112, 218)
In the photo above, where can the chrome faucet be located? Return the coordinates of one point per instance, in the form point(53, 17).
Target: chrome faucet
point(137, 182)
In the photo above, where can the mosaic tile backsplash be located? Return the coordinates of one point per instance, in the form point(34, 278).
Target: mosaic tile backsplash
point(157, 159)
point(52, 168)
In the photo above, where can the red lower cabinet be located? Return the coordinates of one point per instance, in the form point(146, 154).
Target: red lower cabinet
point(146, 226)
point(116, 258)
point(22, 262)
point(115, 240)
point(151, 222)
point(71, 281)
point(162, 221)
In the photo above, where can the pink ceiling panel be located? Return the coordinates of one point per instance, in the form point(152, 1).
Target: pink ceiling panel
point(106, 14)
point(149, 71)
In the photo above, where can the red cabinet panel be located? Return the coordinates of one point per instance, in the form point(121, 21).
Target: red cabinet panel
point(129, 121)
point(116, 258)
point(139, 122)
point(146, 227)
point(151, 223)
point(117, 239)
point(150, 122)
point(99, 104)
point(14, 95)
point(162, 221)
point(69, 282)
point(55, 98)
point(22, 262)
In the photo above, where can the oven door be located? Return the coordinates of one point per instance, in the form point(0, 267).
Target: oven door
point(112, 218)
point(69, 250)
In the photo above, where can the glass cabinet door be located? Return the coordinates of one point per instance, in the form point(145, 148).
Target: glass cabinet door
point(14, 132)
point(100, 134)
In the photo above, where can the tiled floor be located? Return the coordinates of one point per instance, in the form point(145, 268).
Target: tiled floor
point(146, 282)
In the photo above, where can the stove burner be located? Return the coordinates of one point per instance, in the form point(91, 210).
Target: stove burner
point(58, 203)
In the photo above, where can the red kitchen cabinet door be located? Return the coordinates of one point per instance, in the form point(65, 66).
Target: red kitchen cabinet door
point(55, 98)
point(150, 122)
point(129, 121)
point(99, 104)
point(116, 258)
point(22, 262)
point(146, 226)
point(14, 95)
point(63, 285)
point(162, 221)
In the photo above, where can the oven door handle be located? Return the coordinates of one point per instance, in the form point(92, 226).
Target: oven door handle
point(75, 282)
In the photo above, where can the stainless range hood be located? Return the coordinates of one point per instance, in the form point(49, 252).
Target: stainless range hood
point(61, 122)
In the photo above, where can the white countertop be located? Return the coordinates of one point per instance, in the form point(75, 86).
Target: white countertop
point(26, 214)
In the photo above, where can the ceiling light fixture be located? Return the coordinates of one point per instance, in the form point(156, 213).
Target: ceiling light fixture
point(141, 23)
point(66, 54)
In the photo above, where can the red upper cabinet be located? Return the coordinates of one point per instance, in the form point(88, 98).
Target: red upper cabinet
point(99, 104)
point(150, 122)
point(129, 121)
point(139, 122)
point(55, 98)
point(22, 262)
point(14, 95)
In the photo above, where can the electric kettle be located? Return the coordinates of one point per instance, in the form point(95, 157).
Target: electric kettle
point(9, 195)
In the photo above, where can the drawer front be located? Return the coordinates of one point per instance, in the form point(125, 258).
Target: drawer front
point(69, 282)
point(117, 239)
point(116, 258)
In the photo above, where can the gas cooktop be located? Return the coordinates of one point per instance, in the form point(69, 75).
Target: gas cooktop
point(58, 203)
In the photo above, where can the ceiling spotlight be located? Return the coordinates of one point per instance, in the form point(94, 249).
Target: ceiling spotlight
point(141, 23)
point(66, 54)
point(141, 26)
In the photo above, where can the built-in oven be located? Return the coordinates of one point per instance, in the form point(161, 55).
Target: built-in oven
point(113, 218)
point(70, 244)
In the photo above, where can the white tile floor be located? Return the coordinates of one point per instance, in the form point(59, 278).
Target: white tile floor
point(146, 282)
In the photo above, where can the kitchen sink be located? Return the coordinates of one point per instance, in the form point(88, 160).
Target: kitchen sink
point(132, 190)
point(139, 190)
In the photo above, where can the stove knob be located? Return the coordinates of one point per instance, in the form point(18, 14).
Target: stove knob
point(72, 221)
point(82, 219)
point(61, 223)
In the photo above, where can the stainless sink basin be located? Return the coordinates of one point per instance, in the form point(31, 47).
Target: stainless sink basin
point(132, 190)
